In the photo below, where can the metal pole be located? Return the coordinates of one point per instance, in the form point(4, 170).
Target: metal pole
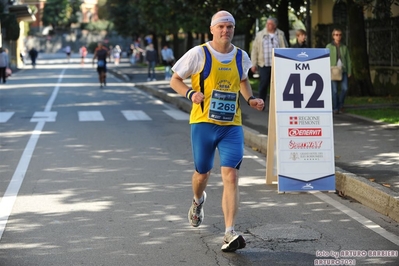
point(1, 37)
point(308, 24)
point(391, 42)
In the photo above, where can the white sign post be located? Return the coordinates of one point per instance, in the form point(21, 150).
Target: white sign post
point(300, 107)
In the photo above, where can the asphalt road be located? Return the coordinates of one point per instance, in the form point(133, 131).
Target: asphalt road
point(92, 176)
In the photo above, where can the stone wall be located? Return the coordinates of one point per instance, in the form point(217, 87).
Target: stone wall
point(56, 43)
point(385, 80)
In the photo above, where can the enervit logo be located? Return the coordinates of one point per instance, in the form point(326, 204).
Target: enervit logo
point(304, 120)
point(304, 132)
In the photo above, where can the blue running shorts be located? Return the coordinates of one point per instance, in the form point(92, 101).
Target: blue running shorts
point(206, 137)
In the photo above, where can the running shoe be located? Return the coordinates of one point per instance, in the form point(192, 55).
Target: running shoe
point(233, 241)
point(196, 213)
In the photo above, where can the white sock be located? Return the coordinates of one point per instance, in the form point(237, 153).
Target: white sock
point(199, 201)
point(229, 229)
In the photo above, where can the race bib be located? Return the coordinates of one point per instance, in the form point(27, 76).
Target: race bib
point(223, 106)
point(100, 63)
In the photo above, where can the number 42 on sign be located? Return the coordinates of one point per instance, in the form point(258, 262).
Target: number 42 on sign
point(300, 141)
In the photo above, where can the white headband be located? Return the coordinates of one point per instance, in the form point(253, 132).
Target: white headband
point(225, 18)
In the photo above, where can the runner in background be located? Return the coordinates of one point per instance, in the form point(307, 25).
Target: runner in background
point(83, 54)
point(101, 53)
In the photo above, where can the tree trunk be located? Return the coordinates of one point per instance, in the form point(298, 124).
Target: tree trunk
point(249, 36)
point(190, 40)
point(282, 16)
point(358, 50)
point(249, 25)
point(176, 45)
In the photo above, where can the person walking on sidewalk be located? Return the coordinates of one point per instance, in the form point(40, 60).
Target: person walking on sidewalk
point(83, 54)
point(3, 64)
point(339, 56)
point(101, 54)
point(219, 74)
point(261, 54)
point(151, 56)
point(33, 53)
point(168, 59)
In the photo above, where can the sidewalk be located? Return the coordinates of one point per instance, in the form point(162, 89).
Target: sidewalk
point(366, 149)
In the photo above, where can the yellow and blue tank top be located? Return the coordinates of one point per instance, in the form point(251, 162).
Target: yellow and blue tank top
point(220, 84)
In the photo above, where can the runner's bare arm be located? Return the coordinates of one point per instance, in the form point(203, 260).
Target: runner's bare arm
point(246, 92)
point(177, 83)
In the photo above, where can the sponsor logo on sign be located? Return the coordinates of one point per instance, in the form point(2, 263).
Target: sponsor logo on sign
point(305, 145)
point(304, 132)
point(308, 186)
point(294, 156)
point(306, 156)
point(305, 120)
point(302, 54)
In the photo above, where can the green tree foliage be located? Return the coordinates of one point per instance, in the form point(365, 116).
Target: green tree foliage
point(135, 18)
point(73, 10)
point(357, 40)
point(102, 11)
point(358, 49)
point(10, 27)
point(126, 17)
point(61, 13)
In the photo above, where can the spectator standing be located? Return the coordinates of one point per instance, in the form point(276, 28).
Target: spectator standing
point(139, 52)
point(219, 75)
point(151, 57)
point(116, 53)
point(300, 39)
point(33, 56)
point(339, 56)
point(168, 59)
point(68, 52)
point(261, 55)
point(3, 64)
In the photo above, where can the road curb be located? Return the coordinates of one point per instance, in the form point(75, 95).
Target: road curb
point(372, 195)
point(119, 74)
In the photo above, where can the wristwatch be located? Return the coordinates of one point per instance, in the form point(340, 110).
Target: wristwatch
point(250, 98)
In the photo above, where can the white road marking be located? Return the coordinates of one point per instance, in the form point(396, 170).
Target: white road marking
point(44, 116)
point(55, 93)
point(133, 115)
point(177, 114)
point(5, 116)
point(85, 116)
point(10, 196)
point(8, 200)
point(358, 217)
point(339, 206)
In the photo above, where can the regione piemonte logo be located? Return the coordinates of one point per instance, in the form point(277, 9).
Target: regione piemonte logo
point(293, 120)
point(305, 120)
